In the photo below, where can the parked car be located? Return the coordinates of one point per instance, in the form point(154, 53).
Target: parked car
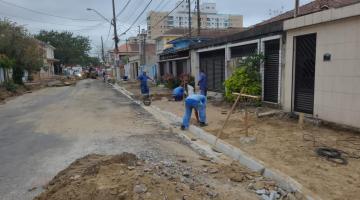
point(77, 74)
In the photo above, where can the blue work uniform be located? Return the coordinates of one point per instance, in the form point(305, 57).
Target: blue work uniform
point(143, 84)
point(198, 102)
point(203, 83)
point(178, 93)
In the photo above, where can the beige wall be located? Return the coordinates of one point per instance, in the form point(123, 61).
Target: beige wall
point(337, 83)
point(155, 30)
point(236, 21)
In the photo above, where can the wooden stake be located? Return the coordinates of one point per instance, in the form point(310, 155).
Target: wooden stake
point(246, 123)
point(301, 120)
point(227, 118)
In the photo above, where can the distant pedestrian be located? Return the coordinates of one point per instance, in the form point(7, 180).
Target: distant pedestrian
point(104, 75)
point(143, 83)
point(198, 103)
point(203, 83)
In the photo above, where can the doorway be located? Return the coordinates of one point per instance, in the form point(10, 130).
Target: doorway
point(305, 54)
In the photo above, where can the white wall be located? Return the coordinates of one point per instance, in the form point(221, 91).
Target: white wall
point(337, 83)
point(2, 75)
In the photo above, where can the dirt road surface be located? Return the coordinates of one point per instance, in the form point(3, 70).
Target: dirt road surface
point(43, 132)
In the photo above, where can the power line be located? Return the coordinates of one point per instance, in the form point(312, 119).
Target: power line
point(137, 6)
point(44, 13)
point(166, 4)
point(161, 2)
point(38, 21)
point(122, 10)
point(158, 22)
point(142, 12)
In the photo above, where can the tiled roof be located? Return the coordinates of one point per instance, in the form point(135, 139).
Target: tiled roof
point(312, 7)
point(132, 48)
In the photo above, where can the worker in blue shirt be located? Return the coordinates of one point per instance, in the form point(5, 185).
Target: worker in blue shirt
point(197, 102)
point(178, 93)
point(143, 83)
point(203, 83)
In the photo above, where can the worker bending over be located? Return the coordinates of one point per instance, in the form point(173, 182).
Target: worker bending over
point(197, 102)
point(178, 93)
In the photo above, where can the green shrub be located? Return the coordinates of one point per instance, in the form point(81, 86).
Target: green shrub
point(246, 78)
point(10, 86)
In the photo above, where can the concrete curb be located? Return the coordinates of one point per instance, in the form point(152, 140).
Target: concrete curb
point(284, 181)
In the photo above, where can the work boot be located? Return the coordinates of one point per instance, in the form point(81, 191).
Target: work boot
point(183, 127)
point(202, 124)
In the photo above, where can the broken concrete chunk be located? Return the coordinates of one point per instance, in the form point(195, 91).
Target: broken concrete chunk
point(141, 188)
point(261, 192)
point(248, 140)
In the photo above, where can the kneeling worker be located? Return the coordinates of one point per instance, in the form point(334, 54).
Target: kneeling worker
point(197, 102)
point(178, 93)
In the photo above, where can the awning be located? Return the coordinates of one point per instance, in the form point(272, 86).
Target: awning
point(174, 59)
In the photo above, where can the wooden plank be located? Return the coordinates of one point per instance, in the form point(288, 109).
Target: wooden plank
point(247, 95)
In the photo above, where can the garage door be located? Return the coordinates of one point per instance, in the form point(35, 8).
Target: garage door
point(213, 64)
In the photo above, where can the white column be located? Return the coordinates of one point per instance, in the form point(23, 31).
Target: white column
point(195, 65)
point(227, 59)
point(174, 67)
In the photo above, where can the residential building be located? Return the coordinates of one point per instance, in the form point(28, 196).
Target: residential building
point(160, 22)
point(135, 56)
point(311, 62)
point(174, 58)
point(48, 69)
point(162, 41)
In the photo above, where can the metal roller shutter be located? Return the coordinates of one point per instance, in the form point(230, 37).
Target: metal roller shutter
point(305, 73)
point(271, 71)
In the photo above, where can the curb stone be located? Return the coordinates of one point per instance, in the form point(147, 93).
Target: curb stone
point(284, 181)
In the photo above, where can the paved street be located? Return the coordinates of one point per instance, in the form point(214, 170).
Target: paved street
point(43, 132)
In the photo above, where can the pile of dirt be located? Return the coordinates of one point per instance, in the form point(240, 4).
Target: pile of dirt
point(20, 90)
point(125, 176)
point(118, 177)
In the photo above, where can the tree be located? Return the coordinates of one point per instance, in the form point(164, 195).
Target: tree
point(70, 49)
point(92, 61)
point(19, 46)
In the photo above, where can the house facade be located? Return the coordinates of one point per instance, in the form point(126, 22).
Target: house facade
point(322, 71)
point(217, 58)
point(311, 62)
point(47, 70)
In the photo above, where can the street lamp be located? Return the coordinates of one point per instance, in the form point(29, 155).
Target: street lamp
point(98, 13)
point(113, 23)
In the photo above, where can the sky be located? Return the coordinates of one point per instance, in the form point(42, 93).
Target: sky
point(72, 15)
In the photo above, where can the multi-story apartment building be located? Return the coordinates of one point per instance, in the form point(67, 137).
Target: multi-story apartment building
point(160, 22)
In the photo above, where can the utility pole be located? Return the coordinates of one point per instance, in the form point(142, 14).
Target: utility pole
point(189, 4)
point(116, 39)
point(296, 10)
point(102, 50)
point(198, 18)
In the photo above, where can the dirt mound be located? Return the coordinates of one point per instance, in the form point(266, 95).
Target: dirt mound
point(118, 177)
